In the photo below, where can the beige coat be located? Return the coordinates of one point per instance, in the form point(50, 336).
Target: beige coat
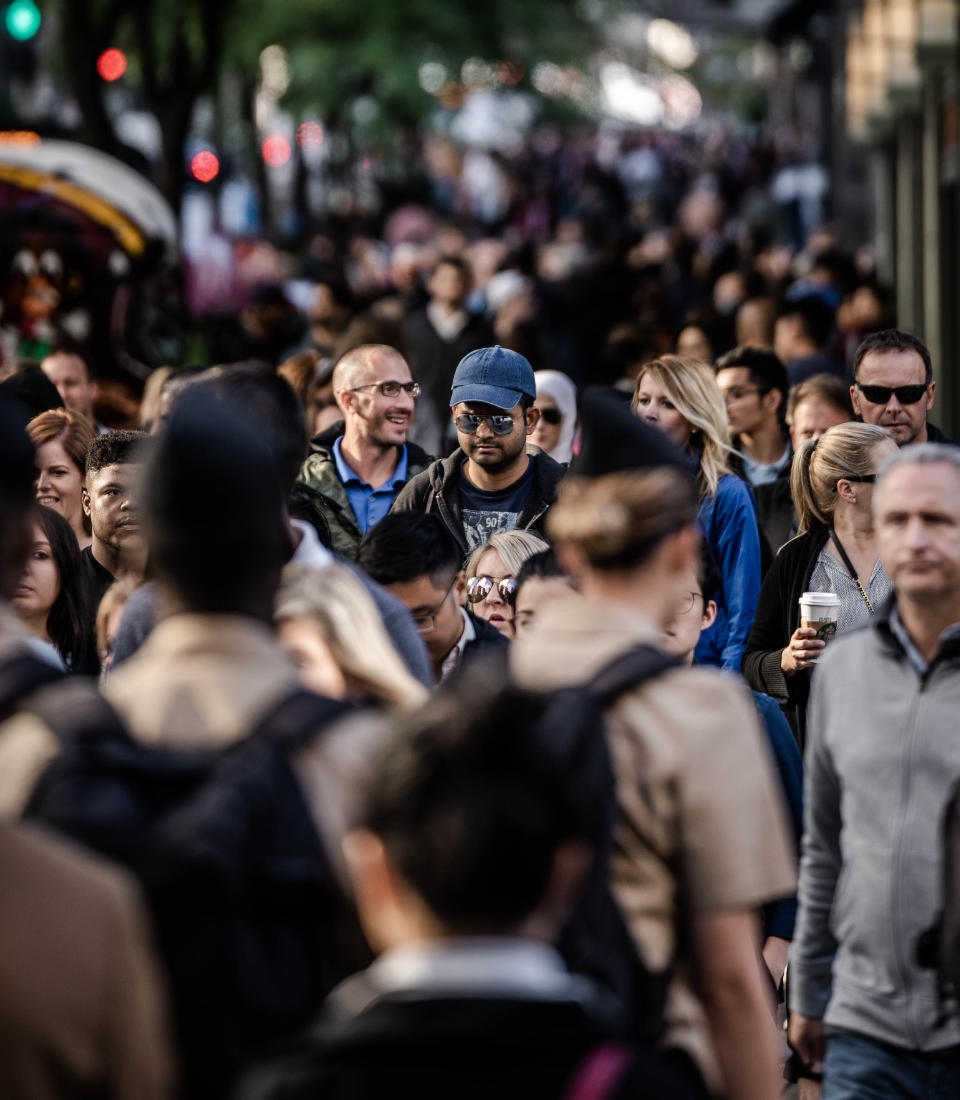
point(81, 1010)
point(702, 827)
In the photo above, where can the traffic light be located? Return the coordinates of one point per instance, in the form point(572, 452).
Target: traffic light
point(22, 20)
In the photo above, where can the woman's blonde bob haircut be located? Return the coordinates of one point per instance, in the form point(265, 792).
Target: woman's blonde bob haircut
point(692, 387)
point(844, 450)
point(617, 521)
point(348, 619)
point(514, 547)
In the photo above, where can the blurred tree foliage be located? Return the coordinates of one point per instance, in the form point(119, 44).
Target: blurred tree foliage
point(178, 50)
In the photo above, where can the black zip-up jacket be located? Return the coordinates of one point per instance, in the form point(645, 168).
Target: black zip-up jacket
point(436, 491)
point(777, 617)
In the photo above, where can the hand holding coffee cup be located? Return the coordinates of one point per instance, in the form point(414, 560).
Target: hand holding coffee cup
point(819, 612)
point(801, 651)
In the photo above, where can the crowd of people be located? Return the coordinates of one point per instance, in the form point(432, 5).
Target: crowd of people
point(428, 707)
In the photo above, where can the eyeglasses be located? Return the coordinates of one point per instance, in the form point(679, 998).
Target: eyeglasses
point(500, 424)
point(551, 416)
point(686, 604)
point(390, 389)
point(736, 392)
point(427, 620)
point(906, 395)
point(478, 588)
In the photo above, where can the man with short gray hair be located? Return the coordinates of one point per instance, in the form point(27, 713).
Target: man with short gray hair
point(882, 760)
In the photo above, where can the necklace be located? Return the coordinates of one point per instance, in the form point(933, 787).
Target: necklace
point(853, 573)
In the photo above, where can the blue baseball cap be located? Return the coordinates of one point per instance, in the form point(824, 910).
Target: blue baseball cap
point(493, 376)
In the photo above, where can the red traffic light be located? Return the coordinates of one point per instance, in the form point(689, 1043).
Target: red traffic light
point(112, 64)
point(205, 166)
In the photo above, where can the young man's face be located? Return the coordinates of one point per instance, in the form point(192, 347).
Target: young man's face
point(748, 408)
point(812, 416)
point(435, 610)
point(383, 421)
point(484, 446)
point(108, 501)
point(695, 614)
point(534, 595)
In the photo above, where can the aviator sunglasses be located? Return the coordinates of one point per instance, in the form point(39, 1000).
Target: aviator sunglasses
point(500, 424)
point(478, 588)
point(880, 395)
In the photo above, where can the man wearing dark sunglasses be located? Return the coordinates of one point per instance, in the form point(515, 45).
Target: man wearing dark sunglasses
point(357, 466)
point(894, 388)
point(495, 480)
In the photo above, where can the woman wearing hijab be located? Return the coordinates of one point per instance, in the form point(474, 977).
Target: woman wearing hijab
point(557, 402)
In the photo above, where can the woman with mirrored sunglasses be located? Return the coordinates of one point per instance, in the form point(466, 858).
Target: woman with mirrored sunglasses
point(491, 576)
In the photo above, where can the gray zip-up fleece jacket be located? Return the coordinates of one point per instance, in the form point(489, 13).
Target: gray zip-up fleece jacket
point(883, 753)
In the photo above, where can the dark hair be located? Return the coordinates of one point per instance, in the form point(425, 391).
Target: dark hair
point(407, 545)
point(708, 574)
point(543, 565)
point(463, 268)
point(68, 620)
point(477, 791)
point(112, 449)
point(832, 388)
point(815, 315)
point(280, 418)
point(766, 370)
point(894, 339)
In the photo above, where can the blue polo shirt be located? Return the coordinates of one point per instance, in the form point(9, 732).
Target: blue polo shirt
point(370, 505)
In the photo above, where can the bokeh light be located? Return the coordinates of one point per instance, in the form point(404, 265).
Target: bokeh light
point(276, 150)
point(205, 166)
point(112, 64)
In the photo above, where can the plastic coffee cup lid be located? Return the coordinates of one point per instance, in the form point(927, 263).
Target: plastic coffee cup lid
point(821, 599)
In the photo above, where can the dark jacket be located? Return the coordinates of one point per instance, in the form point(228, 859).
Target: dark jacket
point(776, 516)
point(778, 616)
point(934, 435)
point(429, 1044)
point(488, 642)
point(320, 497)
point(436, 491)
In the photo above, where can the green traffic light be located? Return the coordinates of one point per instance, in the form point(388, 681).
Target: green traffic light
point(23, 20)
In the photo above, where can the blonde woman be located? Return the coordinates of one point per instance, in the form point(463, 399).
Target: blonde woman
point(681, 398)
point(492, 576)
point(832, 484)
point(331, 628)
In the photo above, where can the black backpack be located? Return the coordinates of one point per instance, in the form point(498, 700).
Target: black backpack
point(596, 940)
point(252, 926)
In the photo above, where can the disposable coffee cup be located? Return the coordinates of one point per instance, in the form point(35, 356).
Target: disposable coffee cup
point(819, 611)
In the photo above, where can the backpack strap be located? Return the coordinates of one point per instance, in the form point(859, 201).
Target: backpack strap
point(599, 1073)
point(629, 670)
point(297, 718)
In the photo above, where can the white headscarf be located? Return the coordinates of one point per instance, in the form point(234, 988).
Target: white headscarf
point(557, 385)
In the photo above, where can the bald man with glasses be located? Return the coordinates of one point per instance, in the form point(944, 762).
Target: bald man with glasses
point(358, 466)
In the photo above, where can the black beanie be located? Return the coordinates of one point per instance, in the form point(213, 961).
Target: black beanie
point(211, 496)
point(614, 439)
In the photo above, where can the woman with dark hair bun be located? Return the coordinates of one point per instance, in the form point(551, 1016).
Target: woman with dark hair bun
point(48, 599)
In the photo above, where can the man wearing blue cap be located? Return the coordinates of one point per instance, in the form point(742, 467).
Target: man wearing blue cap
point(494, 481)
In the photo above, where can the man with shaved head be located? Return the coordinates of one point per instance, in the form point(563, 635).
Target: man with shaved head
point(357, 467)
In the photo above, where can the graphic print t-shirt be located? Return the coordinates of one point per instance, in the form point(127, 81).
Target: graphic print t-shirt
point(485, 513)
